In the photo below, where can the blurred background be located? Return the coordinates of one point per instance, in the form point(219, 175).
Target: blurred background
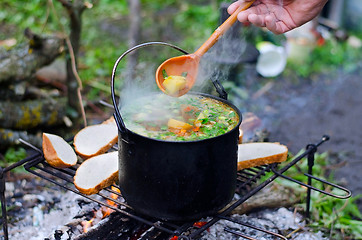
point(56, 60)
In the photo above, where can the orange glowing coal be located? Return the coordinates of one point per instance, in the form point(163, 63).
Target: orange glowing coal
point(106, 210)
point(87, 224)
point(199, 224)
point(103, 211)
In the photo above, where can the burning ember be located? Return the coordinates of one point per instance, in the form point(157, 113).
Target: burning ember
point(87, 224)
point(103, 211)
point(114, 195)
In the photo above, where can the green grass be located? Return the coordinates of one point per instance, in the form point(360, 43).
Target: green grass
point(11, 156)
point(338, 218)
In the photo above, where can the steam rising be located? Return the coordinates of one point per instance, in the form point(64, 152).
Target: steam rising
point(215, 63)
point(226, 53)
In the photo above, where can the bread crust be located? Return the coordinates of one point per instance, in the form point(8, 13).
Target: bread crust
point(241, 135)
point(275, 158)
point(105, 183)
point(110, 120)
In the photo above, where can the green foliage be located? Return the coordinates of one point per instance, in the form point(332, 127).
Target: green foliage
point(157, 5)
point(184, 24)
point(23, 14)
point(13, 155)
point(196, 22)
point(327, 58)
point(337, 215)
point(99, 48)
point(107, 8)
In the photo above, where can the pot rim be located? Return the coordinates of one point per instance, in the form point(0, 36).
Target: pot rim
point(191, 141)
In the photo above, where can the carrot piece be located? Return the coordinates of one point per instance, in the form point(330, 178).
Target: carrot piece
point(196, 129)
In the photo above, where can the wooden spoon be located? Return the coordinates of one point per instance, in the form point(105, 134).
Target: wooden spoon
point(188, 64)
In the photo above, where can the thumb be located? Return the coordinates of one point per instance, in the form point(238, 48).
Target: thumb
point(231, 9)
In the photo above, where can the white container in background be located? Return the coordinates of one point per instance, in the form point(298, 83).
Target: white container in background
point(272, 59)
point(300, 43)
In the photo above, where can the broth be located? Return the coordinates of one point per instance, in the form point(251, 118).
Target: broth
point(187, 118)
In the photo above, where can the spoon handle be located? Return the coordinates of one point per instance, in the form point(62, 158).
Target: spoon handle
point(222, 29)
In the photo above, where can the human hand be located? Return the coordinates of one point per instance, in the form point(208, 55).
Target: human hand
point(279, 16)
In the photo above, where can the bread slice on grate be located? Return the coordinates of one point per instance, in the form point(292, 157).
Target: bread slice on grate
point(110, 120)
point(57, 152)
point(96, 139)
point(96, 173)
point(241, 135)
point(260, 153)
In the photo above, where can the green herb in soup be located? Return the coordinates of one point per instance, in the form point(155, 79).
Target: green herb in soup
point(186, 118)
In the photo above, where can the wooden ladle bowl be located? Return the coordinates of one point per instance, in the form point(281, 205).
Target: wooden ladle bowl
point(189, 64)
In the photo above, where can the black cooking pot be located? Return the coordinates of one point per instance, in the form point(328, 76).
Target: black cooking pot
point(176, 180)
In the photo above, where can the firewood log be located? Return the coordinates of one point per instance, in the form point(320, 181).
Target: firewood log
point(273, 196)
point(21, 62)
point(32, 113)
point(11, 137)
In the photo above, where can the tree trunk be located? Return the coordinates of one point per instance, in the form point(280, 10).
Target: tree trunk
point(133, 35)
point(75, 10)
point(33, 113)
point(75, 31)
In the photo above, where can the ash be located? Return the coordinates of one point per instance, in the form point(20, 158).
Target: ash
point(39, 224)
point(280, 221)
point(40, 212)
point(48, 212)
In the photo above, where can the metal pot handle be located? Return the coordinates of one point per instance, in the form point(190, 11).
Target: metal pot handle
point(117, 114)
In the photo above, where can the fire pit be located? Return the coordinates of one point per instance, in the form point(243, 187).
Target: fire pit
point(153, 226)
point(247, 185)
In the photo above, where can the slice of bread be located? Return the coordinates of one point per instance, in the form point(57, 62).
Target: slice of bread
point(260, 153)
point(96, 139)
point(241, 135)
point(96, 173)
point(110, 120)
point(57, 152)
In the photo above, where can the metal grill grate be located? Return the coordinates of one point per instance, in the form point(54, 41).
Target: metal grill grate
point(247, 186)
point(64, 178)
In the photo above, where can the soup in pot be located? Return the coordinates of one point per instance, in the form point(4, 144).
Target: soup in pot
point(187, 118)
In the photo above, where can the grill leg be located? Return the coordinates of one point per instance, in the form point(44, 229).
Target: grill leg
point(3, 204)
point(310, 171)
